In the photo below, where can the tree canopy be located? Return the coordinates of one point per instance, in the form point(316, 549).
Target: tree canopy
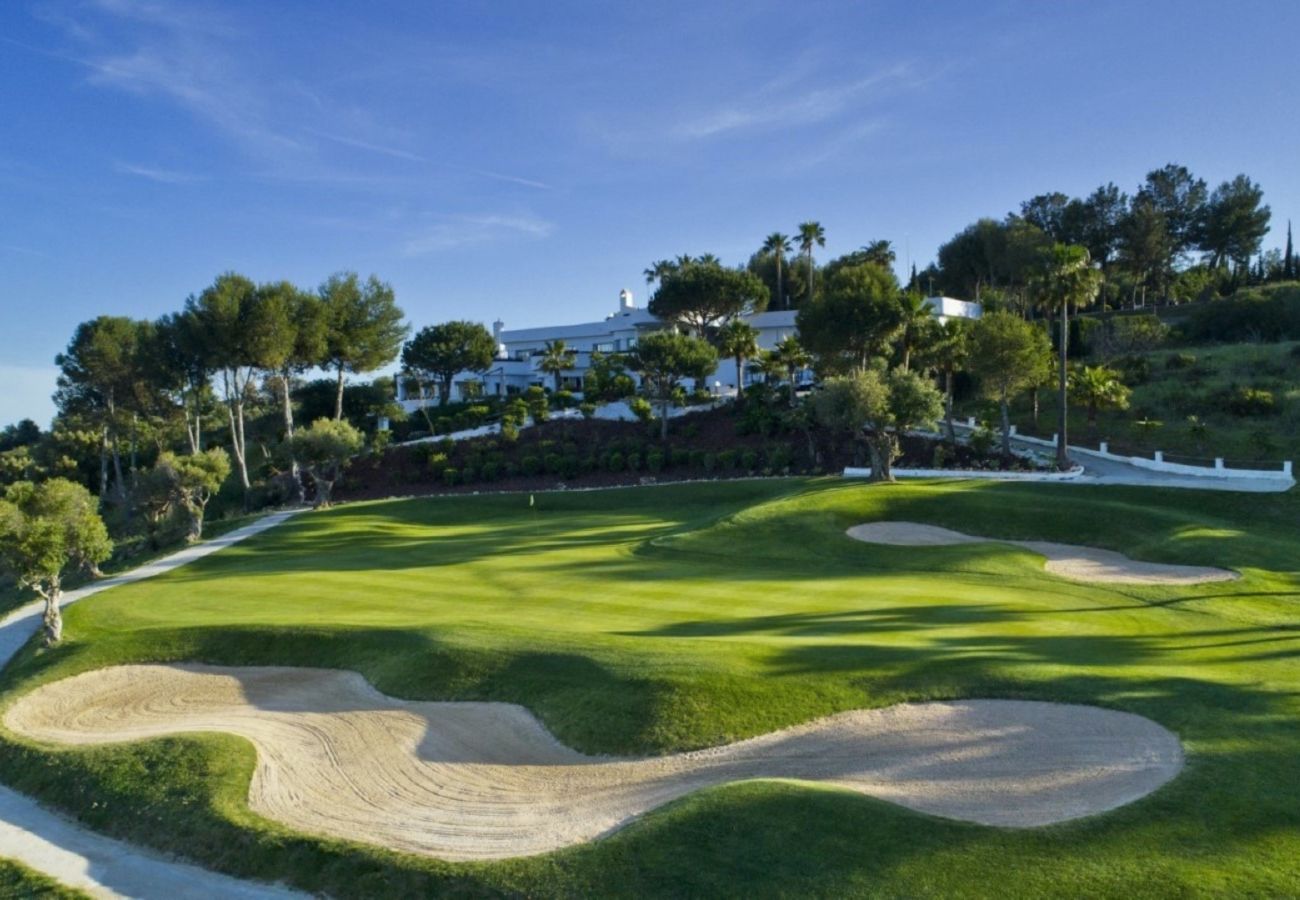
point(663, 359)
point(46, 531)
point(438, 352)
point(855, 318)
point(700, 295)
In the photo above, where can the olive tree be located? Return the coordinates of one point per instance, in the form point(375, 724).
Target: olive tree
point(48, 530)
point(190, 482)
point(325, 450)
point(874, 408)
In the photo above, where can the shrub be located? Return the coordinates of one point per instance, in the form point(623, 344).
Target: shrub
point(614, 461)
point(442, 425)
point(562, 399)
point(749, 460)
point(509, 470)
point(553, 463)
point(727, 459)
point(654, 461)
point(1180, 361)
point(943, 454)
point(436, 463)
point(633, 461)
point(1247, 401)
point(588, 410)
point(642, 409)
point(469, 475)
point(538, 404)
point(679, 457)
point(981, 440)
point(1133, 369)
point(530, 465)
point(570, 466)
point(709, 461)
point(779, 458)
point(697, 459)
point(490, 471)
point(447, 445)
point(450, 477)
point(476, 415)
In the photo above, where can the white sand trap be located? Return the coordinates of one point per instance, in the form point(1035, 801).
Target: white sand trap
point(1067, 560)
point(487, 781)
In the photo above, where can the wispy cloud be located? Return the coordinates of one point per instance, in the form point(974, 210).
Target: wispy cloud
point(162, 176)
point(779, 104)
point(466, 231)
point(398, 153)
point(358, 144)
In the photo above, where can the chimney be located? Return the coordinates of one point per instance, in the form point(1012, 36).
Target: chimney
point(496, 330)
point(625, 302)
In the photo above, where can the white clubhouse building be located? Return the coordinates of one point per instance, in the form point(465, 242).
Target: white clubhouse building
point(519, 352)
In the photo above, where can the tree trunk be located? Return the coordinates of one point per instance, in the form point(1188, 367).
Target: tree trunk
point(1006, 426)
point(1062, 442)
point(294, 474)
point(52, 619)
point(195, 533)
point(445, 397)
point(740, 381)
point(780, 295)
point(880, 447)
point(338, 397)
point(663, 420)
point(103, 465)
point(947, 406)
point(1034, 394)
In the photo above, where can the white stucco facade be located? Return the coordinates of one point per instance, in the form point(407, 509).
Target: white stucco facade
point(520, 351)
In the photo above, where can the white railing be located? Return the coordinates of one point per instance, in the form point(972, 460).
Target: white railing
point(1157, 462)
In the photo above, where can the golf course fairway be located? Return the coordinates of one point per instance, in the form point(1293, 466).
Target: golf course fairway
point(661, 620)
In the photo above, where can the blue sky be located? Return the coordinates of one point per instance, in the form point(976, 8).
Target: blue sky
point(527, 160)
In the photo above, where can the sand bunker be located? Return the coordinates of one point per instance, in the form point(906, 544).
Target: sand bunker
point(487, 781)
point(1067, 560)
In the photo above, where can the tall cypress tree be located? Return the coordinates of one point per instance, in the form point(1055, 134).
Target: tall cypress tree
point(1288, 261)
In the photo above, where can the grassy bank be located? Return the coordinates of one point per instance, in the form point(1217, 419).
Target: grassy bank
point(658, 619)
point(1192, 403)
point(19, 881)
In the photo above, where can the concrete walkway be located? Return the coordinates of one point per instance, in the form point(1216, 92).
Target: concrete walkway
point(84, 859)
point(1107, 471)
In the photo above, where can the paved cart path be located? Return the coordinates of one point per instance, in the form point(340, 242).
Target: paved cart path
point(85, 859)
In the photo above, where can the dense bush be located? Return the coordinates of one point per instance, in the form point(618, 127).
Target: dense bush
point(1180, 361)
point(1270, 313)
point(1248, 401)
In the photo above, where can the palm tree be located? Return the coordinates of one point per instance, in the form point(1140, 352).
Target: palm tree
point(1065, 279)
point(556, 358)
point(949, 356)
point(915, 313)
point(880, 252)
point(1097, 387)
point(811, 234)
point(739, 340)
point(794, 358)
point(778, 245)
point(657, 270)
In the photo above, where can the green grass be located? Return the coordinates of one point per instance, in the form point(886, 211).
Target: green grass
point(19, 881)
point(651, 620)
point(1169, 395)
point(12, 596)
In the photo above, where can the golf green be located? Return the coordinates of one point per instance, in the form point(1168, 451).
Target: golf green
point(659, 619)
